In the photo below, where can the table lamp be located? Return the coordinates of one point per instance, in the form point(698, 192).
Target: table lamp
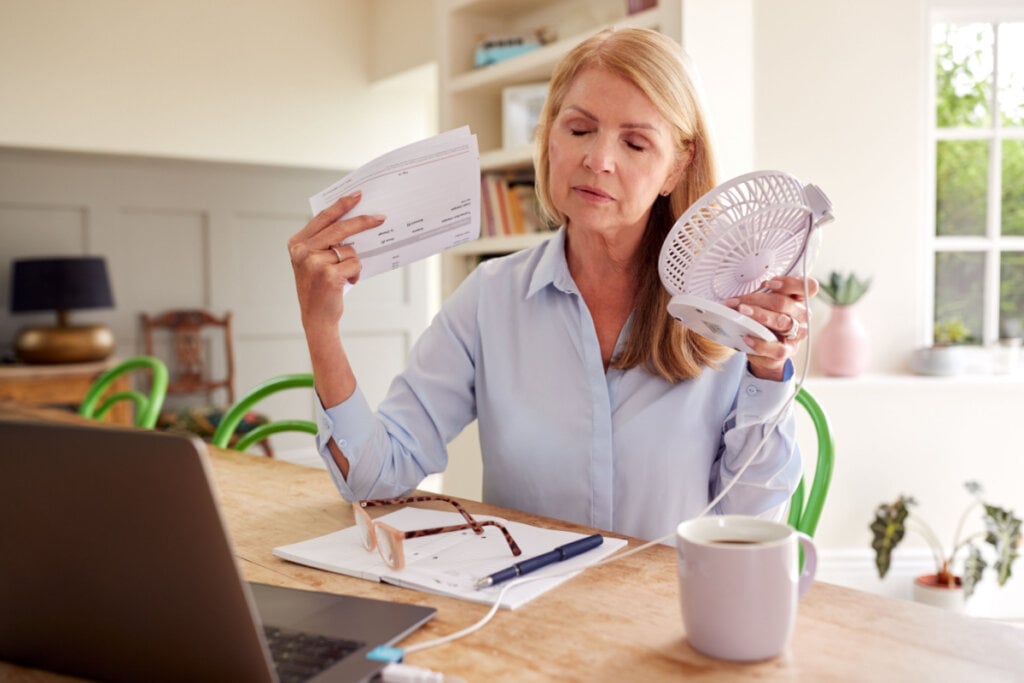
point(61, 285)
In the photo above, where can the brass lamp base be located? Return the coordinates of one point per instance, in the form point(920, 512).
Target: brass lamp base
point(65, 344)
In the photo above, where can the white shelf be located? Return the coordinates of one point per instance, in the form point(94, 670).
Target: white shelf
point(490, 246)
point(538, 64)
point(507, 159)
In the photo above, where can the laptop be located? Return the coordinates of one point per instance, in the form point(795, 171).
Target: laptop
point(115, 565)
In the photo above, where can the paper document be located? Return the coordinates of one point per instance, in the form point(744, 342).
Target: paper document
point(449, 563)
point(430, 193)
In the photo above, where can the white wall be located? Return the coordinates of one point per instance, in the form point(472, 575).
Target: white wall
point(321, 84)
point(841, 101)
point(257, 81)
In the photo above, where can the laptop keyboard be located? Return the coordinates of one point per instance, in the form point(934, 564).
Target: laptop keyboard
point(299, 656)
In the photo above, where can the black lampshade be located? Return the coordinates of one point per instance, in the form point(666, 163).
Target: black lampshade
point(60, 284)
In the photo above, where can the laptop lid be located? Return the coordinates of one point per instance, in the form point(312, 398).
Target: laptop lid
point(115, 565)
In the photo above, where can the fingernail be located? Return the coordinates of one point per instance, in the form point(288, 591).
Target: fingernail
point(745, 309)
point(356, 194)
point(774, 284)
point(380, 218)
point(731, 302)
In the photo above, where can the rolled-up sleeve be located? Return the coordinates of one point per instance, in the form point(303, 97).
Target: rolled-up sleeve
point(359, 421)
point(761, 428)
point(391, 450)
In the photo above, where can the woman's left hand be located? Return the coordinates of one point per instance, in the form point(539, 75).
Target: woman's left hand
point(783, 310)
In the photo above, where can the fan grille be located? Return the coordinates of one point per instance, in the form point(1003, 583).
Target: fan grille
point(737, 236)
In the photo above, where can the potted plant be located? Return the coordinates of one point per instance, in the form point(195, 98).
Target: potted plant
point(946, 355)
point(842, 345)
point(951, 332)
point(951, 584)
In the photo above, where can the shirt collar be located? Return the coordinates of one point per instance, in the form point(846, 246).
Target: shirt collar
point(552, 268)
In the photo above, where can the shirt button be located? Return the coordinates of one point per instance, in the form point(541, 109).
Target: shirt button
point(342, 443)
point(752, 390)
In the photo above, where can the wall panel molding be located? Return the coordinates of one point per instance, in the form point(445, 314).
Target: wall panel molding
point(181, 233)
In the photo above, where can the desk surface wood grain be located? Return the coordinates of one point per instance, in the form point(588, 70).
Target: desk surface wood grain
point(617, 622)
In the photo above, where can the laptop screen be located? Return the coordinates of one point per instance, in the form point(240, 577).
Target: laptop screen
point(114, 547)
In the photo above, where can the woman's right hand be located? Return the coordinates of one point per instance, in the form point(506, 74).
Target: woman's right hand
point(322, 265)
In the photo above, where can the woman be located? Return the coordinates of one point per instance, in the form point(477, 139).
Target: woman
point(594, 405)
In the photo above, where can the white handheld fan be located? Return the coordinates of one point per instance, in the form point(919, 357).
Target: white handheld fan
point(735, 238)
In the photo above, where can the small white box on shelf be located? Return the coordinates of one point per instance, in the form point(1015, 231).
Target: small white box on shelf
point(520, 112)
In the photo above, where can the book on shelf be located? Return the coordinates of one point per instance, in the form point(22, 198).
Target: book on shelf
point(509, 206)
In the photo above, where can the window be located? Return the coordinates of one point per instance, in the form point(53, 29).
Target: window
point(978, 147)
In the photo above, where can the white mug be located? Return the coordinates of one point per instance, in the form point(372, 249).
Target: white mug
point(739, 583)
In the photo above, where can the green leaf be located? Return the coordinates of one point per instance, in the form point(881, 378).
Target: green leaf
point(844, 290)
point(974, 565)
point(951, 331)
point(1003, 532)
point(889, 528)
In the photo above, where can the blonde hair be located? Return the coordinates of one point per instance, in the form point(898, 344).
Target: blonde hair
point(656, 65)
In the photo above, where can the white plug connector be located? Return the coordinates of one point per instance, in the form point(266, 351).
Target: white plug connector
point(405, 673)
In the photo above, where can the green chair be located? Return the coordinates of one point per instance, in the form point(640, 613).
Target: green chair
point(804, 514)
point(147, 408)
point(233, 417)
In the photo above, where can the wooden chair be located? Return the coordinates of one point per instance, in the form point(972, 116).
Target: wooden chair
point(198, 398)
point(147, 405)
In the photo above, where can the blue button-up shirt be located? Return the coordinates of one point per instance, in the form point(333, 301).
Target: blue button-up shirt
point(515, 347)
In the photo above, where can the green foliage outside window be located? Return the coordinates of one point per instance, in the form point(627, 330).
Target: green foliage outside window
point(965, 87)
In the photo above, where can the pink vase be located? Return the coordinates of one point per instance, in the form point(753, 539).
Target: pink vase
point(842, 344)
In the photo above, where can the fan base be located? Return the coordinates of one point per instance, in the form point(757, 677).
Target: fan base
point(717, 322)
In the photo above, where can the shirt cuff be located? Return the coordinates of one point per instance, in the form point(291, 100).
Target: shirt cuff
point(761, 397)
point(350, 424)
point(787, 370)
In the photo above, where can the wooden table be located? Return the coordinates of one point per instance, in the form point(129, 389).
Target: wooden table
point(63, 385)
point(618, 622)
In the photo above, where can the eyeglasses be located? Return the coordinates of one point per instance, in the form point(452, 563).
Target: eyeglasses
point(389, 541)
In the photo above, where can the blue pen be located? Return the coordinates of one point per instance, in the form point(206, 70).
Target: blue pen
point(559, 554)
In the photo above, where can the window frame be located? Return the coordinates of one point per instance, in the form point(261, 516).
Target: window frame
point(992, 244)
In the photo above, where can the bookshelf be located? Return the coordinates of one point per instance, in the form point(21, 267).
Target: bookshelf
point(473, 96)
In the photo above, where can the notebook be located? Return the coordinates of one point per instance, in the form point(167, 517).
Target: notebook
point(450, 564)
point(115, 565)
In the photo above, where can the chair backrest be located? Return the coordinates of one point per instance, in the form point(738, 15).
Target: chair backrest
point(191, 332)
point(228, 424)
point(805, 513)
point(147, 407)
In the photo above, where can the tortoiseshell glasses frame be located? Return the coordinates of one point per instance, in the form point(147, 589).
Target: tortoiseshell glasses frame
point(389, 541)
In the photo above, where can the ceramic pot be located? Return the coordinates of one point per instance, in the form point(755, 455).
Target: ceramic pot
point(842, 344)
point(940, 361)
point(929, 591)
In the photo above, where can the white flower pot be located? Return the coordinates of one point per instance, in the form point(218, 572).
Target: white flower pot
point(943, 361)
point(929, 591)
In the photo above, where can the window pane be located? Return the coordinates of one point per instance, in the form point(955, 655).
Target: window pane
point(963, 74)
point(959, 279)
point(1013, 187)
point(961, 176)
point(1011, 74)
point(1011, 294)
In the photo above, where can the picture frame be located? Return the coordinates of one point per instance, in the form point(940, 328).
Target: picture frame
point(520, 112)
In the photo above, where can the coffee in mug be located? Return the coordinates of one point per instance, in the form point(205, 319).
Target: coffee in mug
point(739, 583)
